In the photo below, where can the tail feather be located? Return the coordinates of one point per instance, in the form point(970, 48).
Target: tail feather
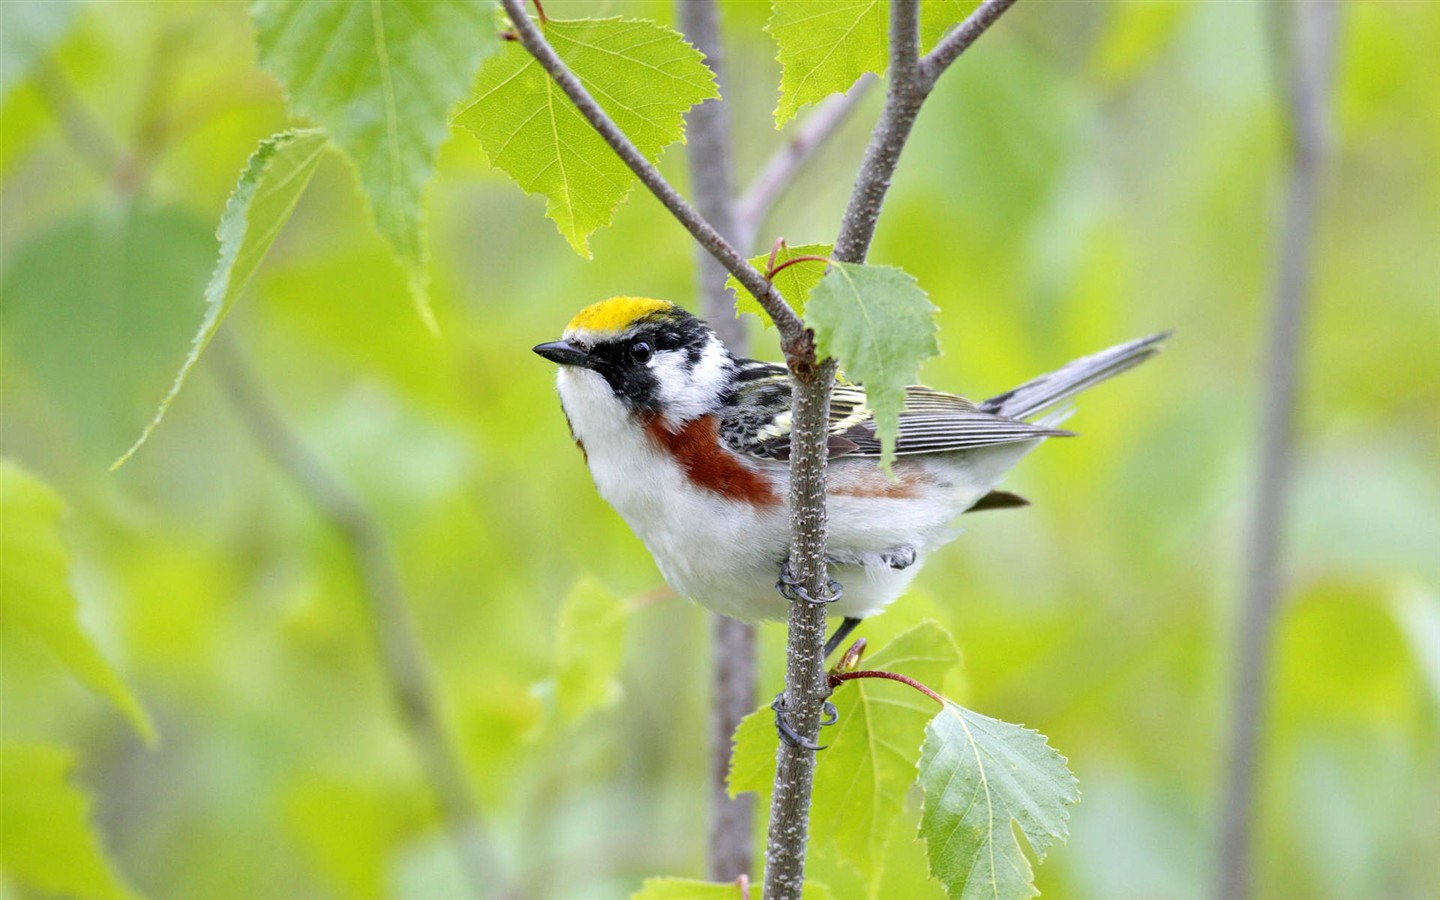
point(1040, 394)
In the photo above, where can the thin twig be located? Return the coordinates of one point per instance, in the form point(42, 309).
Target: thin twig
point(401, 656)
point(709, 146)
point(911, 81)
point(795, 338)
point(780, 170)
point(959, 40)
point(1310, 28)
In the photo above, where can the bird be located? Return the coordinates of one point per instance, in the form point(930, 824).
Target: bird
point(690, 444)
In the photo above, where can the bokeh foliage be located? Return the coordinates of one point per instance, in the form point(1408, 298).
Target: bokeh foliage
point(1091, 173)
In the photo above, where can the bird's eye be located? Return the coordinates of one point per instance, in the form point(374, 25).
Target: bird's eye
point(640, 351)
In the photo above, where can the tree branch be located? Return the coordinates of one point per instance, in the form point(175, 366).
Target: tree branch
point(730, 835)
point(780, 170)
point(911, 81)
point(401, 656)
point(1309, 27)
point(795, 338)
point(959, 40)
point(806, 685)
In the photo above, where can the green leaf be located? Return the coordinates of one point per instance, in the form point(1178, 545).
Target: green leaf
point(381, 76)
point(863, 778)
point(979, 775)
point(642, 74)
point(261, 204)
point(30, 29)
point(693, 889)
point(825, 45)
point(49, 845)
point(880, 325)
point(35, 597)
point(752, 761)
point(938, 16)
point(794, 283)
point(591, 647)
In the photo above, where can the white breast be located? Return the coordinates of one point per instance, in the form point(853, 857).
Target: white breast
point(725, 554)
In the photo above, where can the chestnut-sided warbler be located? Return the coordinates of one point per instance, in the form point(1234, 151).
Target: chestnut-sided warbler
point(691, 447)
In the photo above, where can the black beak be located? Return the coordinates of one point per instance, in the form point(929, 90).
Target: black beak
point(563, 352)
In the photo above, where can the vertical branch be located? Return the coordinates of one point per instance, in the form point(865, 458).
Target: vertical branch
point(729, 835)
point(811, 379)
point(1309, 29)
point(401, 656)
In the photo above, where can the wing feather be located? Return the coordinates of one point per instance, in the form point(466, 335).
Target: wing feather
point(757, 419)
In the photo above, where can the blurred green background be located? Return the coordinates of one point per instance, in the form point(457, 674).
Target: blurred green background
point(1090, 172)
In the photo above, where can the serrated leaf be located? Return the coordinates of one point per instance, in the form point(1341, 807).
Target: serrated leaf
point(381, 76)
point(979, 775)
point(642, 74)
point(49, 844)
point(272, 183)
point(864, 774)
point(693, 889)
point(35, 596)
point(794, 283)
point(862, 779)
point(825, 45)
point(880, 325)
point(590, 650)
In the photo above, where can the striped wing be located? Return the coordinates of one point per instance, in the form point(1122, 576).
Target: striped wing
point(757, 421)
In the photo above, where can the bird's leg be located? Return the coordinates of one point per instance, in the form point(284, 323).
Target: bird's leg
point(842, 631)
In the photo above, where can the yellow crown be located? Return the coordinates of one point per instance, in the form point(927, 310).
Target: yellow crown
point(615, 314)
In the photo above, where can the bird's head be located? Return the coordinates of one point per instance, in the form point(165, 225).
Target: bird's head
point(650, 355)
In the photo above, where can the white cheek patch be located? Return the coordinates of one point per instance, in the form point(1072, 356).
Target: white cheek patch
point(685, 392)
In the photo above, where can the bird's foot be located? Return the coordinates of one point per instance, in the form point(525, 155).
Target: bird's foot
point(830, 715)
point(792, 588)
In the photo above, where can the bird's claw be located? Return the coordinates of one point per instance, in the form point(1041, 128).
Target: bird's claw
point(829, 716)
point(792, 588)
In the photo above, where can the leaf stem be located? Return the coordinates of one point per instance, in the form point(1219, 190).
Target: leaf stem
point(840, 678)
point(776, 270)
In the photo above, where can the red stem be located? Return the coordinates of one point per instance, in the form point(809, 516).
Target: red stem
point(893, 676)
point(775, 251)
point(776, 270)
point(541, 11)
